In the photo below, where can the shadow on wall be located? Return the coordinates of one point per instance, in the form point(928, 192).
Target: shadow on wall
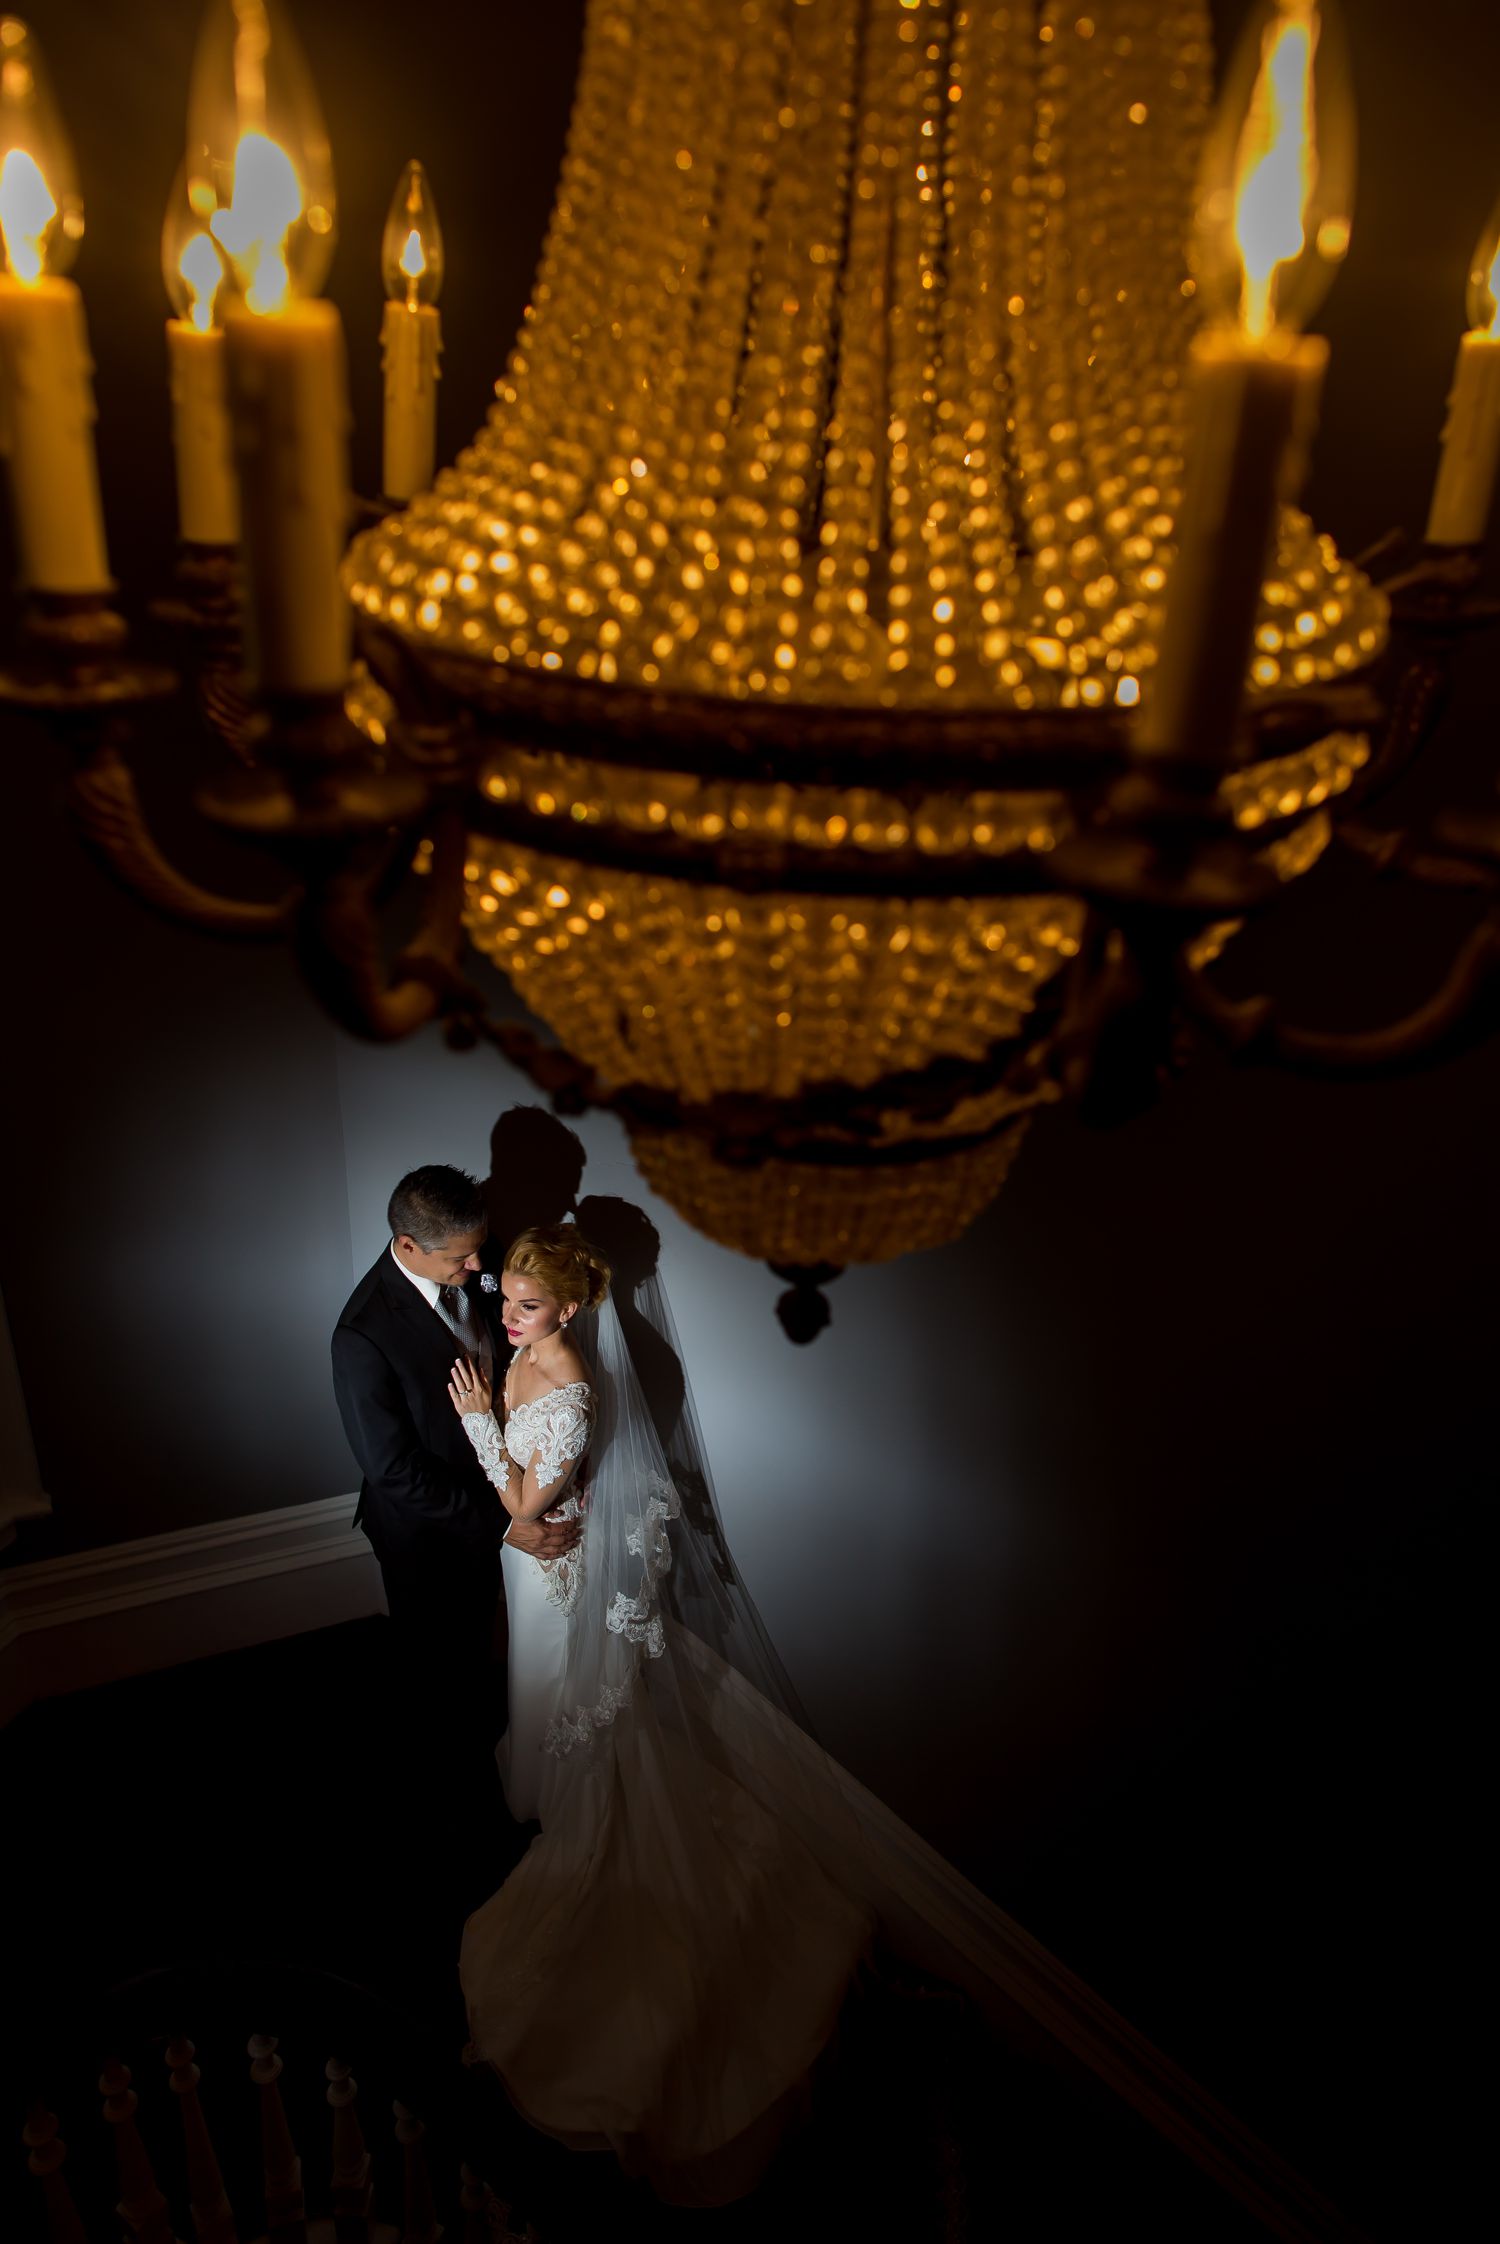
point(536, 1168)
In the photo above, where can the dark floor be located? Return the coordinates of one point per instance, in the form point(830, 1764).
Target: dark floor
point(219, 1850)
point(1291, 1900)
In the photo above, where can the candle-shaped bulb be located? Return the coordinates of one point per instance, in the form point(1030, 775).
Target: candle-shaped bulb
point(1471, 433)
point(411, 264)
point(192, 265)
point(411, 248)
point(1484, 279)
point(46, 387)
point(259, 173)
point(41, 210)
point(260, 178)
point(196, 273)
point(201, 274)
point(1276, 185)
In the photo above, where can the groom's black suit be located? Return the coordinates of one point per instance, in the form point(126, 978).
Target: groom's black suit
point(433, 1519)
point(424, 1490)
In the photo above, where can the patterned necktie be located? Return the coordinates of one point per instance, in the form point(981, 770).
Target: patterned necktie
point(468, 1327)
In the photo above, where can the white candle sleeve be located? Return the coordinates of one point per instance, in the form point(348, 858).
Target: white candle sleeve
point(47, 435)
point(411, 341)
point(1251, 413)
point(1471, 446)
point(288, 397)
point(208, 503)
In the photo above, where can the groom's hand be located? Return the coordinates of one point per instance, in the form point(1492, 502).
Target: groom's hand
point(544, 1538)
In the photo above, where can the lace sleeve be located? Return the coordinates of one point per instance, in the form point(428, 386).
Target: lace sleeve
point(483, 1430)
point(562, 1434)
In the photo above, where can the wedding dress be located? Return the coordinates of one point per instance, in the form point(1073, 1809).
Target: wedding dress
point(539, 1593)
point(662, 1969)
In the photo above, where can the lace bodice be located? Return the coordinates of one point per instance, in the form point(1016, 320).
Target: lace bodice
point(554, 1429)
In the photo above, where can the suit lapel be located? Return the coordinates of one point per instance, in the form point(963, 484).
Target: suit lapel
point(412, 1309)
point(416, 1315)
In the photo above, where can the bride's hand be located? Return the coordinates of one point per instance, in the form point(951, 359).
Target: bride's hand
point(471, 1388)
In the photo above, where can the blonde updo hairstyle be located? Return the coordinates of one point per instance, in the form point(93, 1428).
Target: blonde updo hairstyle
point(558, 1259)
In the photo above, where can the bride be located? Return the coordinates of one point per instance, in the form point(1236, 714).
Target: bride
point(665, 1964)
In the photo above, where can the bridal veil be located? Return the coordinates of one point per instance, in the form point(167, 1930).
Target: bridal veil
point(662, 1969)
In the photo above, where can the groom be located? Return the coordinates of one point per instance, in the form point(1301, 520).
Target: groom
point(433, 1519)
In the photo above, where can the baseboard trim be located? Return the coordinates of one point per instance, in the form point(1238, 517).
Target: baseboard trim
point(93, 1617)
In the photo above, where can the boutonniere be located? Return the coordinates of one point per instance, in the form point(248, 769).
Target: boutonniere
point(488, 1282)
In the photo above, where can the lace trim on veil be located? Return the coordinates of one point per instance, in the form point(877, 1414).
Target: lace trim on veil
point(632, 1618)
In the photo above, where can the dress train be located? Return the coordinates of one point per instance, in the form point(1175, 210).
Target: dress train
point(662, 1969)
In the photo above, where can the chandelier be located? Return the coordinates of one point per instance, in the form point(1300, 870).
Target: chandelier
point(869, 663)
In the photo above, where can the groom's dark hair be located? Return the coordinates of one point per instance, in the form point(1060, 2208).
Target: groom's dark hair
point(434, 1204)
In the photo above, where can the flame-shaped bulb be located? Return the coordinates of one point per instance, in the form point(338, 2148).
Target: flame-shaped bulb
point(194, 269)
point(41, 210)
point(411, 248)
point(259, 172)
point(1484, 279)
point(1276, 183)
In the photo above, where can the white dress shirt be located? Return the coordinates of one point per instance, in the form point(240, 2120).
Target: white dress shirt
point(431, 1293)
point(428, 1288)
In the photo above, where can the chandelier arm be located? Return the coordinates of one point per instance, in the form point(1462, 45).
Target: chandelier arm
point(1435, 592)
point(74, 670)
point(1123, 1037)
point(1390, 851)
point(1384, 548)
point(1409, 717)
point(202, 609)
point(1455, 1012)
point(226, 705)
point(1434, 604)
point(104, 799)
point(337, 937)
